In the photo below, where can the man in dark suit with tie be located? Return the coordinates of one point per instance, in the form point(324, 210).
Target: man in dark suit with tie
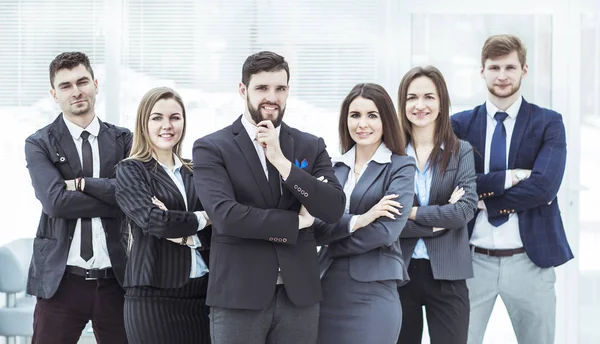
point(79, 253)
point(259, 181)
point(517, 237)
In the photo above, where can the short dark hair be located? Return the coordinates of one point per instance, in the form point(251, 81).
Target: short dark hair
point(69, 60)
point(392, 134)
point(264, 61)
point(500, 45)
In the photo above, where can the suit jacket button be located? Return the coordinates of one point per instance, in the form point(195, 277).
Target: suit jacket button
point(305, 194)
point(270, 238)
point(296, 186)
point(492, 192)
point(480, 196)
point(513, 210)
point(284, 240)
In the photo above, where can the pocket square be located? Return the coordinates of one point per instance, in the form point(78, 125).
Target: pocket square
point(303, 164)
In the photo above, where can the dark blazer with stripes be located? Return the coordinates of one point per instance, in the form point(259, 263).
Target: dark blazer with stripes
point(448, 250)
point(155, 261)
point(373, 252)
point(51, 159)
point(253, 235)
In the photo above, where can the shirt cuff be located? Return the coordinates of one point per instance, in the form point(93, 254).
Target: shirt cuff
point(353, 220)
point(508, 180)
point(196, 243)
point(201, 220)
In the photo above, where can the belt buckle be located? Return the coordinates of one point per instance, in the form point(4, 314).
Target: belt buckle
point(87, 274)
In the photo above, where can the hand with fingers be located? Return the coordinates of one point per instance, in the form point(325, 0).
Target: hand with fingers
point(162, 206)
point(385, 207)
point(455, 197)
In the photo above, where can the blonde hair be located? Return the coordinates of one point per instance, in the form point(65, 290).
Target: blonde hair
point(141, 147)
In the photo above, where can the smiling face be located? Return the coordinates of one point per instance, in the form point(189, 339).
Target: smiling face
point(266, 96)
point(364, 122)
point(75, 91)
point(165, 125)
point(422, 102)
point(503, 75)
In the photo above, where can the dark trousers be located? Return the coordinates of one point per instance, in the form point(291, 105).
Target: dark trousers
point(280, 322)
point(446, 305)
point(159, 316)
point(62, 318)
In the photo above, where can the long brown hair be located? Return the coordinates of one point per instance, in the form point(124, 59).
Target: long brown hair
point(392, 135)
point(443, 129)
point(141, 148)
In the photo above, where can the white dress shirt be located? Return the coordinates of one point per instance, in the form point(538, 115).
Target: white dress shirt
point(260, 151)
point(100, 259)
point(382, 155)
point(198, 267)
point(507, 235)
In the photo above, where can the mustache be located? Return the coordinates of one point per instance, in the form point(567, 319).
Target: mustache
point(269, 103)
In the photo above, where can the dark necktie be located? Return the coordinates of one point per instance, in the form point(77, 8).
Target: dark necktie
point(274, 182)
point(87, 250)
point(498, 157)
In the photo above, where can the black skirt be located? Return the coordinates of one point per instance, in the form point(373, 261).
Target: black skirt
point(155, 315)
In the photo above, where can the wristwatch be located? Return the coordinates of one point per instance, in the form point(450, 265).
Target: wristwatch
point(520, 174)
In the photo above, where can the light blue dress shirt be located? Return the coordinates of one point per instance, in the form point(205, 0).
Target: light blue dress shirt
point(199, 267)
point(422, 190)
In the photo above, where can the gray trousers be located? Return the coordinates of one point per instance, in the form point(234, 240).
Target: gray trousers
point(280, 322)
point(527, 291)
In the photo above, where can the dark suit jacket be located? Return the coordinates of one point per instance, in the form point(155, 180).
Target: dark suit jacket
point(448, 250)
point(538, 143)
point(51, 159)
point(373, 251)
point(155, 261)
point(251, 236)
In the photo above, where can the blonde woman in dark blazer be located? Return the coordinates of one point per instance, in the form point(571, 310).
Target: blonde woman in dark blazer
point(435, 241)
point(362, 263)
point(167, 272)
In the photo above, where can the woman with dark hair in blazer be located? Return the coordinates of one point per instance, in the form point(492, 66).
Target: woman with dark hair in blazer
point(435, 241)
point(361, 264)
point(167, 274)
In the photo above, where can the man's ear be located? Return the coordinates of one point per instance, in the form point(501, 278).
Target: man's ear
point(53, 95)
point(243, 90)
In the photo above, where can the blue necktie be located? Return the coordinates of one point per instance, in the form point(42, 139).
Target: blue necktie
point(498, 157)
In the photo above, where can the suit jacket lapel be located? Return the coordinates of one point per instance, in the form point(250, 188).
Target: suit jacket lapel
point(366, 180)
point(436, 179)
point(246, 145)
point(286, 141)
point(478, 140)
point(341, 173)
point(107, 148)
point(68, 146)
point(518, 132)
point(190, 192)
point(162, 177)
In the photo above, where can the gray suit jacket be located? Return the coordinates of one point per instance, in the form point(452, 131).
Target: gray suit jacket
point(448, 249)
point(373, 251)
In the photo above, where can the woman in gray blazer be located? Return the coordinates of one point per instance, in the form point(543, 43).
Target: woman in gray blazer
point(435, 241)
point(361, 262)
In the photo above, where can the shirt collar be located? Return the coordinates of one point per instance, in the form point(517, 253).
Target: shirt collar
point(382, 155)
point(93, 128)
point(251, 128)
point(177, 165)
point(512, 110)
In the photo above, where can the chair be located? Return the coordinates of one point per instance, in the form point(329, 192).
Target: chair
point(16, 318)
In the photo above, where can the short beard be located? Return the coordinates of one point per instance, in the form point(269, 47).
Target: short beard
point(501, 96)
point(257, 116)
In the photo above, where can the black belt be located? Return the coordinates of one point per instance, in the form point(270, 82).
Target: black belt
point(91, 274)
point(499, 253)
